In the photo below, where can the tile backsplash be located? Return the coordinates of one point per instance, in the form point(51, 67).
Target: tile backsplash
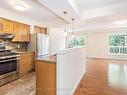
point(19, 46)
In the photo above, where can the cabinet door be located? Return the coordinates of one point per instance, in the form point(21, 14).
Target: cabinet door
point(0, 25)
point(7, 26)
point(21, 32)
point(26, 63)
point(37, 29)
point(16, 29)
point(44, 30)
point(25, 33)
point(31, 60)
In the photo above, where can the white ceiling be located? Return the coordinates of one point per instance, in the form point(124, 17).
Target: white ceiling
point(86, 12)
point(95, 13)
point(34, 10)
point(84, 5)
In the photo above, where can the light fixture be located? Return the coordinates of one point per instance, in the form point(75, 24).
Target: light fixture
point(73, 35)
point(65, 34)
point(65, 31)
point(19, 7)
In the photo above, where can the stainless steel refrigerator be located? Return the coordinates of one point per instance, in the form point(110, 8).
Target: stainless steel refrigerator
point(42, 45)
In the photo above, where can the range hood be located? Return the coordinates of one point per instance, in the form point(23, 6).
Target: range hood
point(6, 36)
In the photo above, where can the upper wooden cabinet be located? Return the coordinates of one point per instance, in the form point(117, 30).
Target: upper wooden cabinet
point(16, 31)
point(7, 26)
point(39, 29)
point(0, 24)
point(25, 35)
point(21, 31)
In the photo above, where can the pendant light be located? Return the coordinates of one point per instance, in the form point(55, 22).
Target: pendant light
point(65, 31)
point(73, 35)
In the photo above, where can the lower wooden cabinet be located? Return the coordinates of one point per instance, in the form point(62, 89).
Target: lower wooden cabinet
point(45, 78)
point(26, 63)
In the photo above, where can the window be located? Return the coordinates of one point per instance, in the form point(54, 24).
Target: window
point(78, 41)
point(118, 44)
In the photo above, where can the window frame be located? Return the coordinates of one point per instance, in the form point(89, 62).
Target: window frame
point(116, 46)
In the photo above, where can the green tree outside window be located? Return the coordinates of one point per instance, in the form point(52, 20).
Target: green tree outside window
point(79, 41)
point(118, 44)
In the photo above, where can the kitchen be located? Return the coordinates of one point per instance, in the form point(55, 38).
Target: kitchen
point(48, 46)
point(17, 62)
point(26, 44)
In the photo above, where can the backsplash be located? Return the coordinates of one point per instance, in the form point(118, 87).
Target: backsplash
point(19, 46)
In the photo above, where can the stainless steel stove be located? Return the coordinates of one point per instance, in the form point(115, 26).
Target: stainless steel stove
point(8, 54)
point(9, 66)
point(9, 61)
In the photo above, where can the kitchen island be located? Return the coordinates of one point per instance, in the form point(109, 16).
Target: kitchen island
point(60, 74)
point(46, 75)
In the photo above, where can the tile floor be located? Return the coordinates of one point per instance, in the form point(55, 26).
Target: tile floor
point(22, 86)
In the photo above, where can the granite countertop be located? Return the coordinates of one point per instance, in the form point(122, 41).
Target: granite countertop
point(49, 59)
point(24, 51)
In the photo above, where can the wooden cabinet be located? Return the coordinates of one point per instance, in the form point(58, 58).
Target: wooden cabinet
point(20, 30)
point(42, 30)
point(0, 25)
point(26, 63)
point(7, 26)
point(16, 31)
point(25, 35)
point(45, 78)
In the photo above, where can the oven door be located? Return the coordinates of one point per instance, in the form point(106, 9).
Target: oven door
point(8, 67)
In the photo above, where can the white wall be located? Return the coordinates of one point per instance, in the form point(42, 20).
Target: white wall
point(70, 69)
point(97, 44)
point(57, 39)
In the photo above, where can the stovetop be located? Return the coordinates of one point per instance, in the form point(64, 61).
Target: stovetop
point(8, 54)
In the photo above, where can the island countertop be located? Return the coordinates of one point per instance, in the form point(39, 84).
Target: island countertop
point(49, 59)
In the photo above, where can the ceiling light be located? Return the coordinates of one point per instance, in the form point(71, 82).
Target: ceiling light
point(121, 22)
point(65, 32)
point(19, 7)
point(73, 35)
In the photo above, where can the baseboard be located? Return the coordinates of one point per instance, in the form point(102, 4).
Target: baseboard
point(106, 58)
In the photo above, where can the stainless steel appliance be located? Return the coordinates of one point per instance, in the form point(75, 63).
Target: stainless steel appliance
point(42, 45)
point(9, 61)
point(6, 36)
point(9, 66)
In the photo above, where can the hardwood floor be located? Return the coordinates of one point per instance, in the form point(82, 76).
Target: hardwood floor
point(104, 77)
